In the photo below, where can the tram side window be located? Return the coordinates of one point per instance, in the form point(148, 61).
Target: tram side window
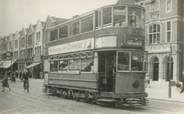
point(119, 16)
point(123, 61)
point(54, 66)
point(87, 24)
point(87, 65)
point(107, 15)
point(74, 28)
point(98, 19)
point(63, 32)
point(62, 65)
point(54, 35)
point(71, 65)
point(137, 62)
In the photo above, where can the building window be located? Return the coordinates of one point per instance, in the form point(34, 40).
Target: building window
point(154, 10)
point(168, 5)
point(87, 24)
point(37, 37)
point(107, 15)
point(54, 35)
point(38, 51)
point(74, 28)
point(22, 42)
point(169, 31)
point(16, 44)
point(30, 40)
point(154, 34)
point(63, 32)
point(119, 16)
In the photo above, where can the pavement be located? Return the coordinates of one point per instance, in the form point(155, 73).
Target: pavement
point(159, 91)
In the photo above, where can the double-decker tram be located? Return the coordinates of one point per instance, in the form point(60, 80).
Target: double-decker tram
point(98, 56)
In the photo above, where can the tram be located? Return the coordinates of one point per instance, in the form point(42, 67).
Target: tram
point(98, 56)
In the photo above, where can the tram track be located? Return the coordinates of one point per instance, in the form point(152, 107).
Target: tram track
point(40, 99)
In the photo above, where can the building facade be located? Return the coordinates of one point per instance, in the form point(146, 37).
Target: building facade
point(164, 38)
point(22, 50)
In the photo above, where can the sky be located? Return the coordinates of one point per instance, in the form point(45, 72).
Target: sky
point(18, 14)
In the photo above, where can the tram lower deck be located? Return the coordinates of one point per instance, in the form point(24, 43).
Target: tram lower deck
point(103, 76)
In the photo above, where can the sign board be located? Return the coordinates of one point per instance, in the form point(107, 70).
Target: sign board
point(72, 47)
point(134, 43)
point(108, 41)
point(158, 48)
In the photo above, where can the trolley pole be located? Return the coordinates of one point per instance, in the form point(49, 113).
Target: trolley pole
point(170, 68)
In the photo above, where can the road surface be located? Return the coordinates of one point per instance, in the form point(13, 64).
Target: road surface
point(17, 101)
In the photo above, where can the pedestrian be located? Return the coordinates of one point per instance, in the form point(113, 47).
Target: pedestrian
point(5, 83)
point(147, 80)
point(25, 81)
point(182, 88)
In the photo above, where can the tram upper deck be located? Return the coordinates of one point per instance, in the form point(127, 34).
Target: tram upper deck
point(122, 25)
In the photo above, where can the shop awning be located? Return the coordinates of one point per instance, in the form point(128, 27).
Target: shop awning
point(6, 64)
point(32, 65)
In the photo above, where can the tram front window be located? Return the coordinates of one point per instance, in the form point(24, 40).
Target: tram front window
point(134, 17)
point(107, 15)
point(119, 16)
point(123, 61)
point(137, 62)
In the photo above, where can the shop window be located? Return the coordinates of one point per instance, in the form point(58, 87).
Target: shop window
point(119, 16)
point(63, 32)
point(87, 24)
point(123, 61)
point(137, 62)
point(107, 15)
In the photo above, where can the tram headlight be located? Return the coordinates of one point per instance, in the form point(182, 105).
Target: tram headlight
point(136, 84)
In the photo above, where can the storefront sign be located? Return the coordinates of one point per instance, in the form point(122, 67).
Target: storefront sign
point(158, 48)
point(72, 47)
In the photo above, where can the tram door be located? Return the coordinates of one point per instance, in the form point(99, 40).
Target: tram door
point(106, 70)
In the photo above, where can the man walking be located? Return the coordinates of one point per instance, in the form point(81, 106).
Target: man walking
point(25, 81)
point(5, 83)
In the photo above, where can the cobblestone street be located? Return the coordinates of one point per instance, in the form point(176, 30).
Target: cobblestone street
point(36, 102)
